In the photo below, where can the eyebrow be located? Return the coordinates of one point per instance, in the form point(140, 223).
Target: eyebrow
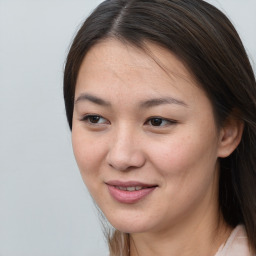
point(160, 101)
point(93, 99)
point(145, 104)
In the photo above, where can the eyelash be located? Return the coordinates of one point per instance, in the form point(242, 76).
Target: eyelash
point(87, 118)
point(161, 119)
point(167, 122)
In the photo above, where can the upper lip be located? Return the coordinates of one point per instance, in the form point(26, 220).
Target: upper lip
point(118, 183)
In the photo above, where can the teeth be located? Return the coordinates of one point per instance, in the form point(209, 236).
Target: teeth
point(122, 188)
point(130, 188)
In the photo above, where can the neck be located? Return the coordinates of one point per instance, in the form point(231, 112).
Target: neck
point(193, 236)
point(190, 241)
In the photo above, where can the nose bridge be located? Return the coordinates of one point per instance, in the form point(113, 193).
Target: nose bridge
point(126, 150)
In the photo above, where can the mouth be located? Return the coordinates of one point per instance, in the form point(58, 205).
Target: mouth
point(129, 192)
point(137, 188)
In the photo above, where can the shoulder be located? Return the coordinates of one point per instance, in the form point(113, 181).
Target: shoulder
point(236, 245)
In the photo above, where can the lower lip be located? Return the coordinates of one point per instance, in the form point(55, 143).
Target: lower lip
point(129, 197)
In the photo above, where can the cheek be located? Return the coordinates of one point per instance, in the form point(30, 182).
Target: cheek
point(187, 171)
point(88, 154)
point(184, 155)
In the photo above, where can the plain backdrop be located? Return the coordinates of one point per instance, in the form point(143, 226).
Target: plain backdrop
point(45, 209)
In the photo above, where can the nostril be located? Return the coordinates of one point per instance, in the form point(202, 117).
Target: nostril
point(125, 160)
point(123, 167)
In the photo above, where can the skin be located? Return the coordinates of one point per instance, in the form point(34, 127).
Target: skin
point(179, 154)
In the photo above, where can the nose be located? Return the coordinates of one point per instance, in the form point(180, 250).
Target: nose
point(125, 152)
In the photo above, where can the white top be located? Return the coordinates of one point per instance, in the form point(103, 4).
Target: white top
point(236, 245)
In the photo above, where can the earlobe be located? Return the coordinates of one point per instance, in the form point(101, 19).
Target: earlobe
point(230, 136)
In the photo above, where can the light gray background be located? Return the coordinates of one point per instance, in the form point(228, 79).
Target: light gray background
point(45, 209)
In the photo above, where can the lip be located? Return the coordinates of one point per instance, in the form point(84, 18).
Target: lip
point(129, 197)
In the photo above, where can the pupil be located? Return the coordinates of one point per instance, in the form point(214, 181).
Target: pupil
point(156, 121)
point(94, 119)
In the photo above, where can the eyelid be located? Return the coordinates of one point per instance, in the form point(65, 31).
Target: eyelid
point(165, 122)
point(86, 117)
point(170, 121)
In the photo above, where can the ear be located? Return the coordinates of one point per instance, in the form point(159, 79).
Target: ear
point(230, 136)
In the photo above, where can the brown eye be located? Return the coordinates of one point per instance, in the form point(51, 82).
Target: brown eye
point(156, 121)
point(94, 119)
point(160, 122)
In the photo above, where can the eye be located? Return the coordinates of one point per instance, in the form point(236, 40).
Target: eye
point(94, 119)
point(158, 121)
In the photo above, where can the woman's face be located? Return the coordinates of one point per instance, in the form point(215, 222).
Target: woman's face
point(144, 138)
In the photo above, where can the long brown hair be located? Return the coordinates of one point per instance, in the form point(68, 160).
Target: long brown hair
point(204, 39)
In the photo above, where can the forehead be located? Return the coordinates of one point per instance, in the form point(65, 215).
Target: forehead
point(118, 68)
point(113, 51)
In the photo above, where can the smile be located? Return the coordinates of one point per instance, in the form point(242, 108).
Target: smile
point(130, 188)
point(128, 193)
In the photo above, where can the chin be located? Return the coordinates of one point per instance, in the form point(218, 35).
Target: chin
point(130, 229)
point(131, 225)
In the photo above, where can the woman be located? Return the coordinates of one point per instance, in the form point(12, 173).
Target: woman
point(161, 100)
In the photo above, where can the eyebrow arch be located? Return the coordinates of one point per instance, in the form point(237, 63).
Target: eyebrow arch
point(145, 104)
point(159, 101)
point(93, 99)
